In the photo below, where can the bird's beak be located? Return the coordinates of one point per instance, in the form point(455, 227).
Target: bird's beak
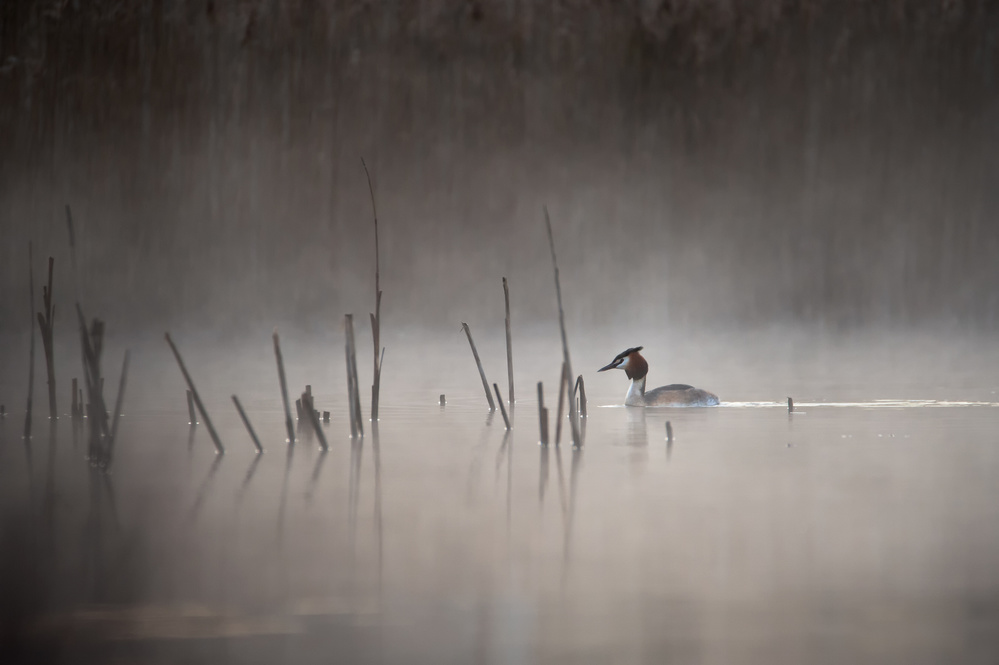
point(607, 367)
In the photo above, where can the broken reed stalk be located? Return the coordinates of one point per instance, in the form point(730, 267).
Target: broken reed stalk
point(354, 392)
point(190, 409)
point(249, 427)
point(573, 416)
point(310, 410)
point(118, 403)
point(74, 408)
point(669, 432)
point(45, 323)
point(197, 398)
point(790, 405)
point(509, 342)
point(580, 391)
point(542, 414)
point(499, 398)
point(376, 318)
point(31, 353)
point(478, 363)
point(284, 390)
point(563, 383)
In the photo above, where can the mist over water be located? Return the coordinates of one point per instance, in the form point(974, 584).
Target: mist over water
point(774, 198)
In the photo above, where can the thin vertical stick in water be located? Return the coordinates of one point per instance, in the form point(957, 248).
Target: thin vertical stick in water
point(197, 399)
point(284, 390)
point(190, 409)
point(580, 392)
point(669, 432)
point(499, 398)
point(790, 405)
point(74, 409)
point(352, 359)
point(31, 353)
point(118, 403)
point(478, 363)
point(45, 323)
point(573, 419)
point(563, 384)
point(542, 414)
point(249, 427)
point(350, 390)
point(509, 342)
point(310, 415)
point(376, 317)
point(72, 254)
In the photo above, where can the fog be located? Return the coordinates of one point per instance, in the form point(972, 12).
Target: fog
point(775, 198)
point(706, 164)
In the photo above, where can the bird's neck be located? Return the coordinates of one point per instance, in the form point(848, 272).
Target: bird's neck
point(636, 393)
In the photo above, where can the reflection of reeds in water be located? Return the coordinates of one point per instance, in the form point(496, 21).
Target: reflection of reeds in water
point(354, 491)
point(542, 414)
point(284, 493)
point(310, 489)
point(478, 364)
point(197, 398)
point(284, 389)
point(376, 454)
point(250, 470)
point(118, 404)
point(199, 499)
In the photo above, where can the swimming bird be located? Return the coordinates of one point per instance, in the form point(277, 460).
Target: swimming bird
point(675, 394)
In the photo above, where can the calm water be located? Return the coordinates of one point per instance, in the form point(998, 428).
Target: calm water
point(860, 528)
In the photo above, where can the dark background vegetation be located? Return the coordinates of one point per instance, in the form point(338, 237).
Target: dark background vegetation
point(707, 163)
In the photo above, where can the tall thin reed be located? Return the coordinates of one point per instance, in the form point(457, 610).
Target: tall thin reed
point(509, 342)
point(45, 323)
point(31, 352)
point(197, 398)
point(376, 317)
point(289, 424)
point(542, 414)
point(478, 363)
point(118, 403)
point(499, 399)
point(563, 385)
point(573, 419)
point(249, 427)
point(352, 368)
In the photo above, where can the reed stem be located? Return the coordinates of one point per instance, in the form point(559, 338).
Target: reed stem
point(542, 414)
point(31, 352)
point(310, 410)
point(478, 363)
point(506, 421)
point(197, 398)
point(573, 419)
point(289, 424)
point(249, 427)
point(45, 323)
point(509, 342)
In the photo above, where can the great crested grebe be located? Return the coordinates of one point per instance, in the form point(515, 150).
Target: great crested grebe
point(675, 394)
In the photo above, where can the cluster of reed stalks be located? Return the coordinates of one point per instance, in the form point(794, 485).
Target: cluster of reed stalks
point(576, 392)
